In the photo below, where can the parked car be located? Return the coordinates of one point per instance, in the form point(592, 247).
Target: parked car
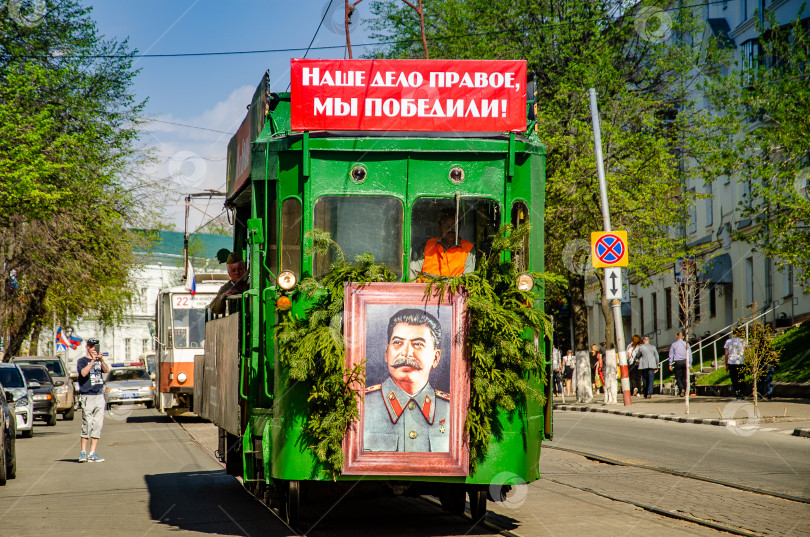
point(13, 381)
point(128, 385)
point(65, 393)
point(44, 387)
point(8, 437)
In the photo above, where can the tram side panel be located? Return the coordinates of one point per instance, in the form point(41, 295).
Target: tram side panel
point(216, 390)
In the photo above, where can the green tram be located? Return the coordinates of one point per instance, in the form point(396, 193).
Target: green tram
point(374, 192)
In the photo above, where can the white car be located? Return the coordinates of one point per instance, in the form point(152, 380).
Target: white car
point(12, 380)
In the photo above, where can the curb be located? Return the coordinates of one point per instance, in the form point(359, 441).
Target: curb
point(668, 417)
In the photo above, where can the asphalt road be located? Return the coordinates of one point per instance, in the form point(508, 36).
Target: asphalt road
point(156, 481)
point(763, 459)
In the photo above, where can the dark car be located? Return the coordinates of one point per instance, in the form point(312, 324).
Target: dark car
point(44, 388)
point(8, 436)
point(64, 392)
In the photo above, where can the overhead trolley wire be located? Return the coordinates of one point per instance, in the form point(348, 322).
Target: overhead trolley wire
point(332, 47)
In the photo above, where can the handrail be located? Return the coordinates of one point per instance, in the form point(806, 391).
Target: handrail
point(711, 340)
point(708, 340)
point(265, 360)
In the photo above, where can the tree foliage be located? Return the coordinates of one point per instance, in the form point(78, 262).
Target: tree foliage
point(766, 116)
point(643, 86)
point(68, 148)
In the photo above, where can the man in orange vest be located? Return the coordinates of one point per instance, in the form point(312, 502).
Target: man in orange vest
point(442, 256)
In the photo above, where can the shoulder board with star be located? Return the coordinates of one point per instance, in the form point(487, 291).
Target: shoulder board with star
point(443, 395)
point(374, 388)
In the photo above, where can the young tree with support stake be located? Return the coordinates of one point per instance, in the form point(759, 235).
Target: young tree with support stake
point(760, 353)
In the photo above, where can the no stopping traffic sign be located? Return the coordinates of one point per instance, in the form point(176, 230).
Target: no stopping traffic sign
point(609, 249)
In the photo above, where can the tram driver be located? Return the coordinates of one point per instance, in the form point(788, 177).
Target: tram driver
point(444, 255)
point(237, 271)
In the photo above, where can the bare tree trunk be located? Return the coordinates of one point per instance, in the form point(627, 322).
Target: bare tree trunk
point(576, 284)
point(607, 313)
point(33, 349)
point(18, 333)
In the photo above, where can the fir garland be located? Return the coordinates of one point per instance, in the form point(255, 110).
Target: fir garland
point(498, 314)
point(501, 324)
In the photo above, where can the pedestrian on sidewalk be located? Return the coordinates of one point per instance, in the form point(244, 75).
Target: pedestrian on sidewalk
point(734, 352)
point(568, 372)
point(584, 378)
point(556, 366)
point(595, 363)
point(91, 389)
point(679, 354)
point(611, 368)
point(647, 359)
point(633, 372)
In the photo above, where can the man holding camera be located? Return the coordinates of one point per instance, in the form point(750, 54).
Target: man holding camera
point(91, 389)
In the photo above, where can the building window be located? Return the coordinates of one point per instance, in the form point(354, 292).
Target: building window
point(145, 346)
point(712, 300)
point(749, 281)
point(128, 350)
point(709, 206)
point(655, 312)
point(144, 296)
point(696, 307)
point(641, 313)
point(787, 281)
point(668, 306)
point(751, 59)
point(692, 213)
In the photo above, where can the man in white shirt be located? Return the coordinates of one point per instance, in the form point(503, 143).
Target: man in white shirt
point(734, 350)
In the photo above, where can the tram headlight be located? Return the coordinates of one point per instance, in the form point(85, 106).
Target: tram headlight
point(286, 280)
point(181, 377)
point(525, 282)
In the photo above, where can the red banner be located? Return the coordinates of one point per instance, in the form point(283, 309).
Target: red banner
point(409, 95)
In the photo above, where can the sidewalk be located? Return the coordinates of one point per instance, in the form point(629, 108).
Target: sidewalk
point(788, 416)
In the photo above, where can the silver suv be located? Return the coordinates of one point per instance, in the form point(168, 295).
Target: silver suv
point(12, 380)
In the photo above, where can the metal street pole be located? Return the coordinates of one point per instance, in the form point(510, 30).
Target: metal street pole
point(616, 305)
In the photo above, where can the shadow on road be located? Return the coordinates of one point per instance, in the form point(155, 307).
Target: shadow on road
point(208, 502)
point(149, 418)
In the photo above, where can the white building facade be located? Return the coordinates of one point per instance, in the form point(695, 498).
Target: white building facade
point(163, 266)
point(737, 278)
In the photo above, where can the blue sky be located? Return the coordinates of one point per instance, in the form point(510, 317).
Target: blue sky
point(213, 91)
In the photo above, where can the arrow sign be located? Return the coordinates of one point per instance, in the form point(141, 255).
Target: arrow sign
point(613, 281)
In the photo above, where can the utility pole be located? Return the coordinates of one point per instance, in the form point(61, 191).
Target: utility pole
point(616, 304)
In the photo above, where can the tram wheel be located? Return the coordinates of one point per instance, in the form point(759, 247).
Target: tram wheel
point(453, 499)
point(478, 505)
point(293, 504)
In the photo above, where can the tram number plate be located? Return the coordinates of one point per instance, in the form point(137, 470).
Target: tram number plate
point(187, 302)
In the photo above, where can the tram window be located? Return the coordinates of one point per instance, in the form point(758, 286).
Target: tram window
point(291, 236)
point(433, 232)
point(188, 328)
point(520, 216)
point(360, 224)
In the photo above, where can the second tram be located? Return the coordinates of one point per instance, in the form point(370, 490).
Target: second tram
point(180, 336)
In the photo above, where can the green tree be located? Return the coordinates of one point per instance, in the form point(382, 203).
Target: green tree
point(642, 64)
point(68, 151)
point(766, 114)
